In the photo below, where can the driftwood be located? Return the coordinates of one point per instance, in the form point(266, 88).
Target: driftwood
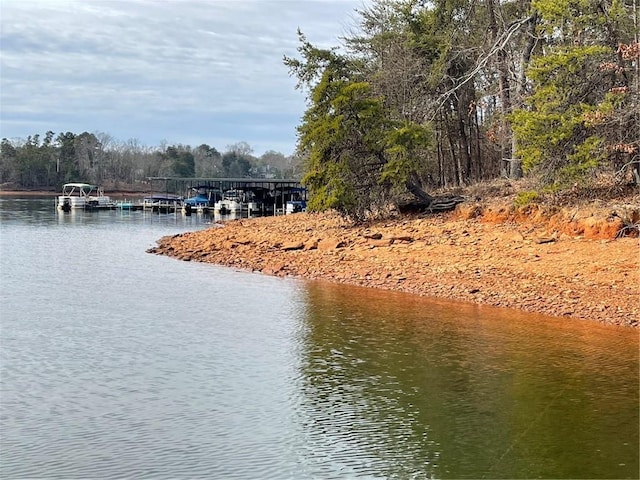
point(426, 202)
point(443, 204)
point(419, 193)
point(438, 204)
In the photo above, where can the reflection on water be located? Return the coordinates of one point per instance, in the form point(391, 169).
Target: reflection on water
point(430, 389)
point(42, 211)
point(119, 364)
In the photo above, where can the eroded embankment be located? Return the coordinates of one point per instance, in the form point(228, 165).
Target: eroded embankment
point(491, 256)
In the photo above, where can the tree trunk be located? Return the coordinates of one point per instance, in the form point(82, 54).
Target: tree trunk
point(465, 169)
point(418, 192)
point(503, 84)
point(442, 182)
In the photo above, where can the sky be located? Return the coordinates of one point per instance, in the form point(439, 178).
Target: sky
point(161, 72)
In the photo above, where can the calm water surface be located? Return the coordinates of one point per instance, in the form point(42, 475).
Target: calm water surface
point(116, 363)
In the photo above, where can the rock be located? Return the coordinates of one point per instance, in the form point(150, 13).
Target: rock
point(379, 243)
point(292, 246)
point(331, 244)
point(273, 269)
point(401, 239)
point(311, 245)
point(541, 240)
point(374, 236)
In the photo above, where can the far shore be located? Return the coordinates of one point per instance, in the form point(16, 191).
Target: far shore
point(27, 193)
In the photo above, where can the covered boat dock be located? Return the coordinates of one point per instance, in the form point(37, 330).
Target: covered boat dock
point(278, 192)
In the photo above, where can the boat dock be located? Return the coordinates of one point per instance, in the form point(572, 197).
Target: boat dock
point(223, 196)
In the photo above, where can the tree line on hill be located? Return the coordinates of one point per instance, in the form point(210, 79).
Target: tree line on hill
point(50, 161)
point(439, 93)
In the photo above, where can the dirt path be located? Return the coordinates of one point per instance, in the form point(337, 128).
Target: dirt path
point(508, 264)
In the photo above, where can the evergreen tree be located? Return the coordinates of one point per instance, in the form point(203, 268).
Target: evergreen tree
point(577, 81)
point(67, 167)
point(358, 157)
point(182, 160)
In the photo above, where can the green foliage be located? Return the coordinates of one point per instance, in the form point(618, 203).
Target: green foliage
point(37, 162)
point(525, 198)
point(564, 63)
point(235, 165)
point(67, 163)
point(404, 146)
point(569, 14)
point(357, 155)
point(585, 158)
point(330, 189)
point(579, 112)
point(553, 134)
point(341, 134)
point(182, 160)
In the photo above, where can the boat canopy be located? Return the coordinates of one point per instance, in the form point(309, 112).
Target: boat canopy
point(80, 189)
point(79, 185)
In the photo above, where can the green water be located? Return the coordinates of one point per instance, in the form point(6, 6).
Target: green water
point(482, 392)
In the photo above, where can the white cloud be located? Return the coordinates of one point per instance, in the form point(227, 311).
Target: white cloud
point(151, 65)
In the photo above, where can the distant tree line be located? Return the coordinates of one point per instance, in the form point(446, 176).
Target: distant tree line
point(442, 93)
point(52, 160)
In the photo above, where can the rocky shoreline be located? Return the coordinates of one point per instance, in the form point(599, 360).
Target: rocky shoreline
point(485, 256)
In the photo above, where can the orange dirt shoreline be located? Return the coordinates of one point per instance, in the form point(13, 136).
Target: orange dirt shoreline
point(487, 257)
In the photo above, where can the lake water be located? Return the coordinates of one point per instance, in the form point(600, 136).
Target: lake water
point(120, 364)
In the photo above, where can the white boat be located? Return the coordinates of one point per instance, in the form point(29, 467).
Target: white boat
point(291, 199)
point(83, 196)
point(236, 200)
point(295, 206)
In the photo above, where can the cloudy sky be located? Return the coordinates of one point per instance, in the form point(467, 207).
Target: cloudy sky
point(174, 71)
